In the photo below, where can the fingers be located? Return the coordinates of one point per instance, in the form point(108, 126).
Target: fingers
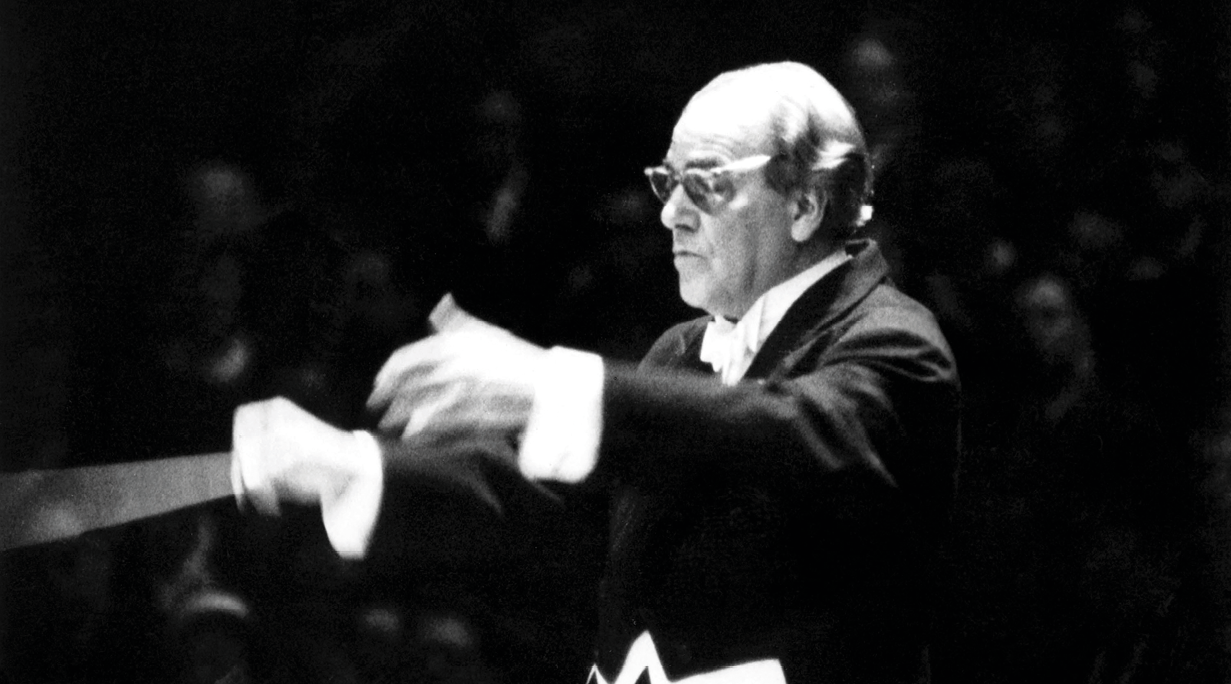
point(418, 371)
point(442, 408)
point(249, 452)
point(280, 452)
point(480, 377)
point(407, 367)
point(461, 338)
point(416, 402)
point(397, 364)
point(458, 409)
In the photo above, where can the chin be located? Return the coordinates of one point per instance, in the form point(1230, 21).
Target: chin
point(699, 296)
point(692, 297)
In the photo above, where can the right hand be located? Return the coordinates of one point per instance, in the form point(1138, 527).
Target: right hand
point(280, 452)
point(470, 378)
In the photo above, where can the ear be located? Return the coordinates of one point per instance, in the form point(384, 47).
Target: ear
point(809, 210)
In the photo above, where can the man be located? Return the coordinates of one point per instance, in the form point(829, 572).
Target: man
point(778, 472)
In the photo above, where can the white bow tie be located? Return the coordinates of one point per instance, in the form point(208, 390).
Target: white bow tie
point(729, 348)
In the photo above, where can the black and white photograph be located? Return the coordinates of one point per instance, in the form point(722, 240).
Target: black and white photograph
point(623, 342)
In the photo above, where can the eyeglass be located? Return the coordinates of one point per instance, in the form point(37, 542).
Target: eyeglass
point(709, 189)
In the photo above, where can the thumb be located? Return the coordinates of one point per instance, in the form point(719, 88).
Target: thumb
point(448, 316)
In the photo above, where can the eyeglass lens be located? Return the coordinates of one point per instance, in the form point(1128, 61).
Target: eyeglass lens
point(664, 180)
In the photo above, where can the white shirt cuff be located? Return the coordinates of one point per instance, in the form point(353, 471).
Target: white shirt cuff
point(350, 512)
point(566, 421)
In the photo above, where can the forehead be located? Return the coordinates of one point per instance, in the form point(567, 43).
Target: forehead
point(722, 125)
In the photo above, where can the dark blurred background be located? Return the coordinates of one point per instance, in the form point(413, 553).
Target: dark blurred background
point(208, 203)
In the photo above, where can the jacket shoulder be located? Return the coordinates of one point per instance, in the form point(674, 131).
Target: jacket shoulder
point(888, 307)
point(672, 346)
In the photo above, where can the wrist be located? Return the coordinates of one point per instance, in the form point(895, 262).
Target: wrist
point(350, 514)
point(366, 456)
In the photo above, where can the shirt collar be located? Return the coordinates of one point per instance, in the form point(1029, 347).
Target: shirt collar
point(768, 310)
point(730, 346)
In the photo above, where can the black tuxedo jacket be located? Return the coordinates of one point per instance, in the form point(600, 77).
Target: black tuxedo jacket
point(795, 516)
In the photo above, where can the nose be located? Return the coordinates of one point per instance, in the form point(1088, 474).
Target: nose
point(678, 211)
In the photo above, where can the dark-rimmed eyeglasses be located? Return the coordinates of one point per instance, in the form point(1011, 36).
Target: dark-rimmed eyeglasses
point(708, 189)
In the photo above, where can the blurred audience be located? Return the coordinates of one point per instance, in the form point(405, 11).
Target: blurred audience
point(510, 239)
point(1069, 267)
point(1065, 539)
point(615, 301)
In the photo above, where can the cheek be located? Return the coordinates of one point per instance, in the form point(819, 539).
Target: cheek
point(733, 250)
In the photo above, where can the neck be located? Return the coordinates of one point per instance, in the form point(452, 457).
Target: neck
point(804, 258)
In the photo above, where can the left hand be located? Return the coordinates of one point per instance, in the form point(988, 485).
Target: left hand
point(472, 377)
point(280, 452)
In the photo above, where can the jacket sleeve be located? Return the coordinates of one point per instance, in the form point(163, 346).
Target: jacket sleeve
point(461, 525)
point(467, 504)
point(875, 404)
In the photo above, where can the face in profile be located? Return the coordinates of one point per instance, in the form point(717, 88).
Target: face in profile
point(731, 233)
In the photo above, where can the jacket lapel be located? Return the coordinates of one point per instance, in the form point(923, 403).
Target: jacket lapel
point(829, 300)
point(690, 348)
